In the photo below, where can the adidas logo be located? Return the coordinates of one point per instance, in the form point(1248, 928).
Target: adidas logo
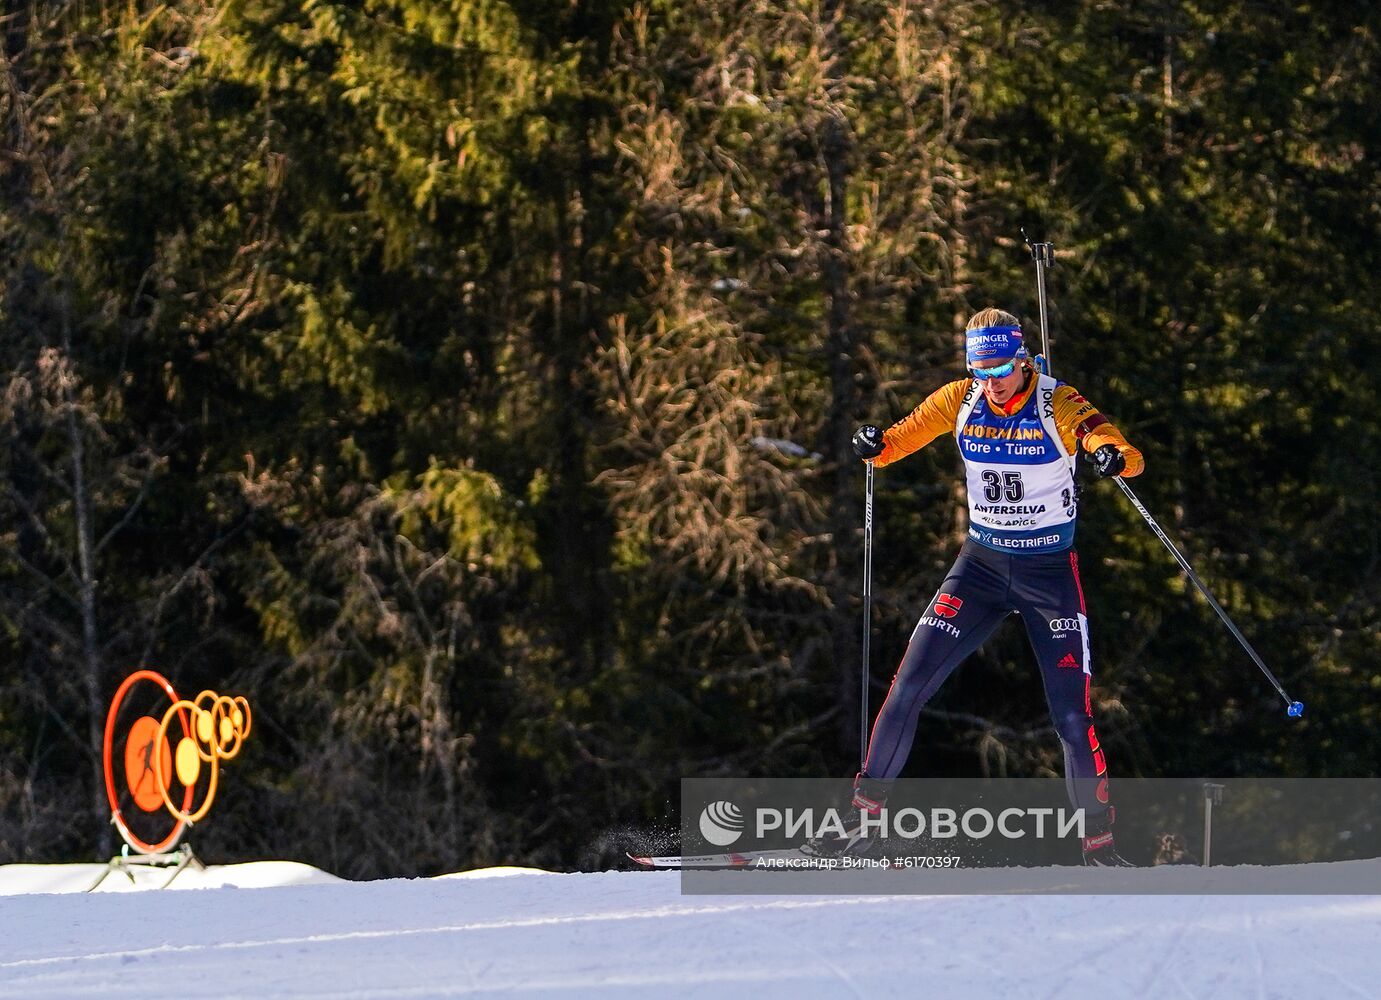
point(1069, 662)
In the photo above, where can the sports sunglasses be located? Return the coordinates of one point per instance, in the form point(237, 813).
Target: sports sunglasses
point(1001, 371)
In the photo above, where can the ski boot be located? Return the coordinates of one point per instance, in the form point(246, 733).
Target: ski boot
point(870, 795)
point(1099, 851)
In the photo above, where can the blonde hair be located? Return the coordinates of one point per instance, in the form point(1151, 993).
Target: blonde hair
point(992, 317)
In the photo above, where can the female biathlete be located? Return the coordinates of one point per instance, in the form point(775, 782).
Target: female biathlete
point(1018, 431)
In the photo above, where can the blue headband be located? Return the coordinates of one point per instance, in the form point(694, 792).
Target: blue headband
point(993, 342)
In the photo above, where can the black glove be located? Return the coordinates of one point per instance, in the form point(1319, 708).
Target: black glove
point(1108, 460)
point(868, 442)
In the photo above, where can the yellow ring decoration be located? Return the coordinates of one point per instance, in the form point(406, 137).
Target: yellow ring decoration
point(220, 724)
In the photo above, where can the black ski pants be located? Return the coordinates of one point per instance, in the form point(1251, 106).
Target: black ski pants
point(982, 588)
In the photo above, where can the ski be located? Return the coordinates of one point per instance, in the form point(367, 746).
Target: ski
point(744, 859)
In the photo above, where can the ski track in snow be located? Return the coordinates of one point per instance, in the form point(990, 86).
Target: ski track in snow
point(632, 934)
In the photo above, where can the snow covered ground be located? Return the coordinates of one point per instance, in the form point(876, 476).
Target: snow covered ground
point(635, 934)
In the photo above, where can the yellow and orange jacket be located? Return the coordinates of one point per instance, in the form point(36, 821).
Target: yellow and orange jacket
point(1080, 424)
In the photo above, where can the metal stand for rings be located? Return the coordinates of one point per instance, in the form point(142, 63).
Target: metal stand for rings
point(178, 860)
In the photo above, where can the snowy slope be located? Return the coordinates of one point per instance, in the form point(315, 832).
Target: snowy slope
point(21, 879)
point(635, 934)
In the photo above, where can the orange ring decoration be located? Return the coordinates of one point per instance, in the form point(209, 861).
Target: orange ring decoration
point(180, 823)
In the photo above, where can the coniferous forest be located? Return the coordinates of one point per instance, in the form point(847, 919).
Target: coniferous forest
point(469, 384)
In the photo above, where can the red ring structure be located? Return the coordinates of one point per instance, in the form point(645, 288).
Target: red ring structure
point(140, 845)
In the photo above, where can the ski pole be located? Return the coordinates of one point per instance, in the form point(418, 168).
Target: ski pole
point(1044, 255)
point(867, 612)
point(1294, 709)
